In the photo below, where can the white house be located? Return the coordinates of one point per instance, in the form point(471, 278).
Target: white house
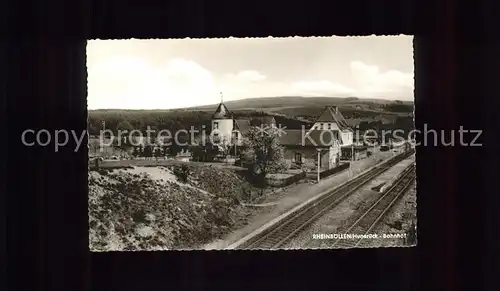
point(332, 120)
point(330, 134)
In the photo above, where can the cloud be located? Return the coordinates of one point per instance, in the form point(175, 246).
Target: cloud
point(319, 88)
point(368, 81)
point(247, 76)
point(134, 82)
point(371, 81)
point(129, 82)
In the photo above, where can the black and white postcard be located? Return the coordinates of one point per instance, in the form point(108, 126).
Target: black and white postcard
point(251, 143)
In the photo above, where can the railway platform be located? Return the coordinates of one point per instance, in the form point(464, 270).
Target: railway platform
point(294, 195)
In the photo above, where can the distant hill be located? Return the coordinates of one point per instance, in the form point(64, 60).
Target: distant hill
point(295, 101)
point(285, 102)
point(292, 111)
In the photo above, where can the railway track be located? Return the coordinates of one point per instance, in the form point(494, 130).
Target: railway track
point(368, 219)
point(281, 232)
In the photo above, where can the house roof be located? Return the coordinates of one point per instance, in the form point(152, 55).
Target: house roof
point(242, 125)
point(313, 138)
point(332, 114)
point(222, 112)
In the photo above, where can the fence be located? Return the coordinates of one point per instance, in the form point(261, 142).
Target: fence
point(273, 182)
point(152, 163)
point(333, 171)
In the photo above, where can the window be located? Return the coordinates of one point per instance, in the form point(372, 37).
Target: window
point(329, 126)
point(298, 158)
point(216, 125)
point(321, 126)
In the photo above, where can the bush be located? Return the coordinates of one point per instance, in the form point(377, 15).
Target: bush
point(333, 171)
point(181, 172)
point(283, 182)
point(135, 212)
point(103, 172)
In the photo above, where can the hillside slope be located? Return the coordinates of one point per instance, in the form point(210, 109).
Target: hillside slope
point(295, 101)
point(143, 209)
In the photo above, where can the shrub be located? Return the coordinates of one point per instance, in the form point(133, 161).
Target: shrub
point(103, 172)
point(181, 172)
point(333, 171)
point(134, 212)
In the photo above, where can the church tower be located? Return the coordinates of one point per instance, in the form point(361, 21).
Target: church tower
point(222, 123)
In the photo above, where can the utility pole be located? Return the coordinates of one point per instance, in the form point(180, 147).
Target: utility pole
point(352, 159)
point(104, 137)
point(319, 160)
point(235, 143)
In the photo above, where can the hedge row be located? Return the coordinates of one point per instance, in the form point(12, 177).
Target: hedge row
point(287, 181)
point(333, 171)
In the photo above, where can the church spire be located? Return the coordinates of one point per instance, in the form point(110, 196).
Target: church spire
point(222, 112)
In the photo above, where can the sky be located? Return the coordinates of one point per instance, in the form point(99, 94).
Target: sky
point(176, 73)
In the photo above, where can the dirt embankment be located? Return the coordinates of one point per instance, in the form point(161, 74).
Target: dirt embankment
point(149, 209)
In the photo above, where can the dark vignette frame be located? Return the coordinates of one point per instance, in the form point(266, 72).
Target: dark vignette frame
point(46, 206)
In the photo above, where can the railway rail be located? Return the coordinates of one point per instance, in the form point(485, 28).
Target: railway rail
point(283, 231)
point(357, 233)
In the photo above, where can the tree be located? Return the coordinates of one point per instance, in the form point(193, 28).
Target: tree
point(164, 150)
point(224, 147)
point(158, 152)
point(203, 151)
point(264, 152)
point(148, 151)
point(173, 150)
point(198, 150)
point(93, 129)
point(181, 172)
point(122, 140)
point(125, 125)
point(135, 152)
point(140, 150)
